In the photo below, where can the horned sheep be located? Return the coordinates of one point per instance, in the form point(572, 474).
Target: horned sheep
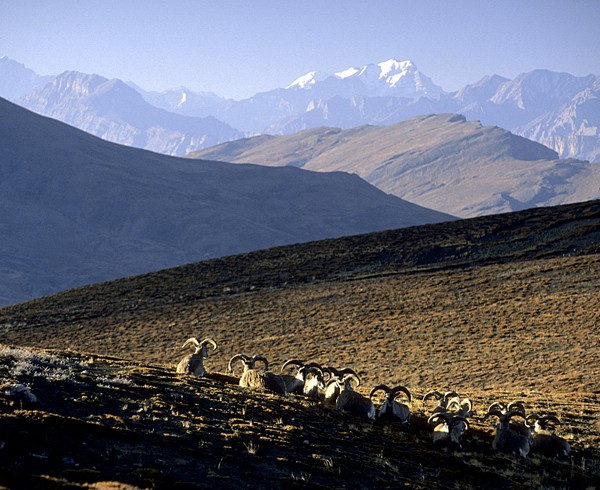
point(351, 401)
point(258, 379)
point(392, 409)
point(511, 437)
point(545, 442)
point(194, 363)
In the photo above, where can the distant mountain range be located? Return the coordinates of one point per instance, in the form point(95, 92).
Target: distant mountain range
point(116, 112)
point(79, 210)
point(558, 110)
point(16, 80)
point(439, 161)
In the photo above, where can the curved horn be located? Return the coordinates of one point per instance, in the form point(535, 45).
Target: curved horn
point(261, 359)
point(312, 370)
point(242, 357)
point(379, 387)
point(402, 389)
point(497, 413)
point(292, 362)
point(347, 370)
point(519, 404)
point(315, 365)
point(549, 418)
point(332, 371)
point(501, 406)
point(458, 418)
point(209, 341)
point(431, 394)
point(332, 380)
point(532, 417)
point(513, 413)
point(466, 405)
point(439, 415)
point(191, 340)
point(448, 395)
point(349, 376)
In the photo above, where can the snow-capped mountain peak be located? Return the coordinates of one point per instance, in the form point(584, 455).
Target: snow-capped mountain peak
point(308, 80)
point(393, 66)
point(347, 73)
point(391, 77)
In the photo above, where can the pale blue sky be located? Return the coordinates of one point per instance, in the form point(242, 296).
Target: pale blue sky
point(237, 48)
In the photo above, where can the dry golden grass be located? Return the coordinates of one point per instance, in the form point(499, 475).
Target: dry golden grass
point(501, 308)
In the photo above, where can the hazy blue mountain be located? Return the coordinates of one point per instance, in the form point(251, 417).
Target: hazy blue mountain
point(440, 161)
point(555, 109)
point(75, 209)
point(532, 104)
point(116, 112)
point(16, 80)
point(572, 129)
point(181, 100)
point(267, 111)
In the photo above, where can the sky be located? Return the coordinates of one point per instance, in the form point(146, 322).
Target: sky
point(238, 48)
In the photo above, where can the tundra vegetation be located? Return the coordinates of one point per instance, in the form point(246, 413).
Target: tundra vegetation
point(502, 311)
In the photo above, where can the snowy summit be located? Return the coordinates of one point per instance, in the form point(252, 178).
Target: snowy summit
point(388, 78)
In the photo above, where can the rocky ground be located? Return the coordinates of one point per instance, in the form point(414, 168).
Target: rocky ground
point(100, 422)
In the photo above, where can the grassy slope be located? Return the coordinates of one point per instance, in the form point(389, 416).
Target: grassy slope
point(501, 307)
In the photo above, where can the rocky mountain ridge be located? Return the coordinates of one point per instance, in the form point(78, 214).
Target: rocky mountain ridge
point(439, 161)
point(556, 109)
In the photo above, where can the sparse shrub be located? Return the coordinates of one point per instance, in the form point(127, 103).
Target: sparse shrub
point(22, 363)
point(251, 447)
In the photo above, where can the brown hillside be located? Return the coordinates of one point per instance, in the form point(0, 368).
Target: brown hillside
point(508, 300)
point(501, 307)
point(440, 161)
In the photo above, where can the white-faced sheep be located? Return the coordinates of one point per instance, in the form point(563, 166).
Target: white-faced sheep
point(194, 363)
point(301, 383)
point(314, 381)
point(293, 383)
point(258, 379)
point(391, 409)
point(351, 401)
point(336, 380)
point(511, 437)
point(445, 401)
point(449, 428)
point(545, 442)
point(458, 410)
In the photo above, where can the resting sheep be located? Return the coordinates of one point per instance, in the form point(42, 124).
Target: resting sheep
point(300, 383)
point(511, 437)
point(351, 401)
point(545, 441)
point(314, 381)
point(194, 363)
point(391, 409)
point(449, 428)
point(258, 379)
point(333, 385)
point(448, 402)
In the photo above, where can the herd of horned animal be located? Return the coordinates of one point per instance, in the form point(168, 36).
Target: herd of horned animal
point(534, 434)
